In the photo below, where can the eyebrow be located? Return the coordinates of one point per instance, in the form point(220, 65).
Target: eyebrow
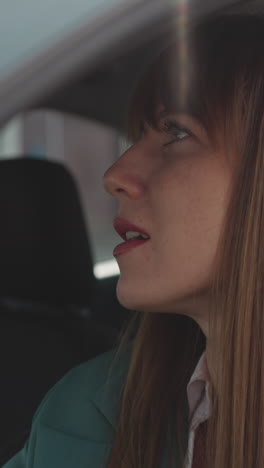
point(163, 113)
point(187, 111)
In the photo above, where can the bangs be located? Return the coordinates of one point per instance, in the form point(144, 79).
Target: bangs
point(162, 87)
point(206, 81)
point(176, 83)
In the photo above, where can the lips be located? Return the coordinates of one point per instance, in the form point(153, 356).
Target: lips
point(122, 226)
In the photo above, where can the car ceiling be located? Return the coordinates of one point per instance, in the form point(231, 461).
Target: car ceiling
point(104, 94)
point(99, 87)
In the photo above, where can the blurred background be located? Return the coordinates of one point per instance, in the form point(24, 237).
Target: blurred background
point(87, 148)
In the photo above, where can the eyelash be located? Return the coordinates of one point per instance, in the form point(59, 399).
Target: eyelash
point(173, 128)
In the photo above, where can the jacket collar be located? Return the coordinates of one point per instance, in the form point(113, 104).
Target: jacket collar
point(107, 397)
point(107, 400)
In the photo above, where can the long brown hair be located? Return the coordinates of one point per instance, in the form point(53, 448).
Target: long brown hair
point(226, 93)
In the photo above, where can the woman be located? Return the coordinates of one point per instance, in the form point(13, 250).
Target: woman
point(192, 183)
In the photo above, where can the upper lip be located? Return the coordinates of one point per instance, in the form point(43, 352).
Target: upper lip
point(122, 226)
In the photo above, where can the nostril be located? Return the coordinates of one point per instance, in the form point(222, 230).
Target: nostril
point(119, 183)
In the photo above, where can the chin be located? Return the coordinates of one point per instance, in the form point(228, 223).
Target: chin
point(128, 301)
point(146, 298)
point(132, 300)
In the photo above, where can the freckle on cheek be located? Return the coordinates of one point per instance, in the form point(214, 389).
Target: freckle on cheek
point(147, 258)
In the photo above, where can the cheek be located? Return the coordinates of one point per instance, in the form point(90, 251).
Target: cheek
point(187, 211)
point(192, 195)
point(191, 212)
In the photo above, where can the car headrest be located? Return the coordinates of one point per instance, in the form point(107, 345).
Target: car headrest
point(44, 249)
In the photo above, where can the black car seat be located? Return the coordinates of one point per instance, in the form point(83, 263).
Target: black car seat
point(47, 287)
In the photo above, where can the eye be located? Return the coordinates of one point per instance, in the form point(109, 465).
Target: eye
point(177, 131)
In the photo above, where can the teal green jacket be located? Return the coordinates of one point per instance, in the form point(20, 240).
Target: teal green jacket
point(76, 422)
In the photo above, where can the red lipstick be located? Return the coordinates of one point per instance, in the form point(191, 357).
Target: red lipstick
point(123, 226)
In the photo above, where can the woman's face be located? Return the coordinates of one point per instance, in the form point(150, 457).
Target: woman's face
point(173, 184)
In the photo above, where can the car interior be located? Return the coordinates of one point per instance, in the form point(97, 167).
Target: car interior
point(55, 313)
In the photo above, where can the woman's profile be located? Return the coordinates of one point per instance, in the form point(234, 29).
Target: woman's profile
point(185, 388)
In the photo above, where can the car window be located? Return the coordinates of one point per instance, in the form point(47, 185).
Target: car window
point(11, 139)
point(28, 26)
point(87, 149)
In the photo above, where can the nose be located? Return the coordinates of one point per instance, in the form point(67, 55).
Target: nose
point(124, 177)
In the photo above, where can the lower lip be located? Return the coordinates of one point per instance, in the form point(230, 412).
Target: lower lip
point(127, 246)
